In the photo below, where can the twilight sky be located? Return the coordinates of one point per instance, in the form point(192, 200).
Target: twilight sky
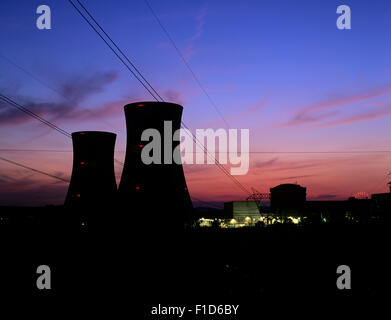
point(279, 68)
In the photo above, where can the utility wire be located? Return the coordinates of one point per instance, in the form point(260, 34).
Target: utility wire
point(255, 152)
point(205, 92)
point(39, 118)
point(30, 75)
point(150, 89)
point(211, 204)
point(112, 49)
point(34, 150)
point(219, 165)
point(34, 115)
point(35, 170)
point(119, 50)
point(47, 85)
point(186, 63)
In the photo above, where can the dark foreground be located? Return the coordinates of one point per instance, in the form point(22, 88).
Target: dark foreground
point(133, 267)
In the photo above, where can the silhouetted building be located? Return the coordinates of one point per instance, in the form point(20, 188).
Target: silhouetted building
point(381, 204)
point(242, 211)
point(92, 184)
point(327, 210)
point(154, 193)
point(287, 199)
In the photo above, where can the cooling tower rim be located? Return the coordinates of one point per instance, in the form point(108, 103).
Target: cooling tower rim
point(157, 104)
point(93, 133)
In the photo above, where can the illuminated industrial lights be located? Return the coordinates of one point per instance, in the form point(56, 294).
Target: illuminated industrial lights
point(141, 145)
point(233, 221)
point(294, 220)
point(82, 163)
point(140, 105)
point(78, 195)
point(137, 188)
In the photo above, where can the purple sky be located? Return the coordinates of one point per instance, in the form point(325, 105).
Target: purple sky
point(279, 68)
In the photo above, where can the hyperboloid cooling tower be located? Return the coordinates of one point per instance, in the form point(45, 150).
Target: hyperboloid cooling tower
point(154, 194)
point(93, 182)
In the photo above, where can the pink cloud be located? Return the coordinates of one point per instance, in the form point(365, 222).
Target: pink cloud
point(189, 50)
point(370, 115)
point(321, 111)
point(74, 91)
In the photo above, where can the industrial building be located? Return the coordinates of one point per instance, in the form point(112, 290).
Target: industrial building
point(92, 182)
point(154, 195)
point(242, 211)
point(288, 203)
point(287, 199)
point(155, 192)
point(381, 203)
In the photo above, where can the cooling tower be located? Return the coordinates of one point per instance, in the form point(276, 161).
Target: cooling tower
point(155, 194)
point(93, 182)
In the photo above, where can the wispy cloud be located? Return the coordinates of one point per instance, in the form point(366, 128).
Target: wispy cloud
point(201, 19)
point(265, 164)
point(75, 90)
point(363, 116)
point(174, 96)
point(297, 177)
point(331, 109)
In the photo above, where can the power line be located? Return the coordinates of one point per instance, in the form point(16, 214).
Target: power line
point(205, 92)
point(31, 75)
point(67, 181)
point(322, 152)
point(34, 150)
point(250, 152)
point(34, 115)
point(119, 162)
point(35, 170)
point(209, 203)
point(119, 50)
point(145, 85)
point(186, 63)
point(220, 166)
point(47, 85)
point(112, 49)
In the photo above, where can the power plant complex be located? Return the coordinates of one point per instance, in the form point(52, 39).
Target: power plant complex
point(153, 187)
point(93, 180)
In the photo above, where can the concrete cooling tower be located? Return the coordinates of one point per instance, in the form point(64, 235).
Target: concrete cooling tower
point(154, 195)
point(92, 184)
